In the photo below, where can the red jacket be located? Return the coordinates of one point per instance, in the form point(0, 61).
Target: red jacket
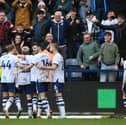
point(4, 31)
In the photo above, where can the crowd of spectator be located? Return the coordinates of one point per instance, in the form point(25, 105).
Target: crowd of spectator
point(78, 26)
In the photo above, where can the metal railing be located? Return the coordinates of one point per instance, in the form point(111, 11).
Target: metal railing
point(69, 71)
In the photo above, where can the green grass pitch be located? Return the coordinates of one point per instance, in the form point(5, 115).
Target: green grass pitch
point(63, 122)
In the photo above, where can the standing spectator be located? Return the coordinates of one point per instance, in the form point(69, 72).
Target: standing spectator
point(111, 20)
point(5, 26)
point(83, 9)
point(74, 34)
point(40, 27)
point(11, 13)
point(18, 43)
point(4, 6)
point(48, 40)
point(99, 8)
point(63, 5)
point(109, 57)
point(22, 12)
point(119, 34)
point(118, 6)
point(58, 27)
point(50, 4)
point(25, 34)
point(90, 27)
point(87, 55)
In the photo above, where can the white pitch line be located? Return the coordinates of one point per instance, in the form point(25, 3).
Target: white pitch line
point(57, 117)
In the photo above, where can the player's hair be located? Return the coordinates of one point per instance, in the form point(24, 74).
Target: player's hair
point(25, 50)
point(9, 47)
point(36, 44)
point(55, 45)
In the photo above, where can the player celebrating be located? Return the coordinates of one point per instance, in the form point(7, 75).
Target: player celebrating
point(42, 82)
point(23, 80)
point(8, 63)
point(58, 77)
point(124, 85)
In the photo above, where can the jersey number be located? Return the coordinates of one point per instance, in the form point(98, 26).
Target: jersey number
point(6, 64)
point(45, 62)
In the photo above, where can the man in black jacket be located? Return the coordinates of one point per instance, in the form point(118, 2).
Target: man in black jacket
point(120, 34)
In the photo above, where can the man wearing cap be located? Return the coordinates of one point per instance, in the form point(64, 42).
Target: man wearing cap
point(89, 26)
point(109, 58)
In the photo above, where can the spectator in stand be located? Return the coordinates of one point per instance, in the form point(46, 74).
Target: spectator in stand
point(11, 13)
point(5, 26)
point(41, 5)
point(18, 43)
point(99, 8)
point(48, 40)
point(58, 27)
point(63, 5)
point(120, 33)
point(74, 34)
point(22, 12)
point(4, 6)
point(83, 9)
point(25, 34)
point(50, 4)
point(90, 27)
point(118, 6)
point(87, 56)
point(40, 27)
point(111, 20)
point(109, 58)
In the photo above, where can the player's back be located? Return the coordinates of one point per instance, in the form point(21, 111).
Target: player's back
point(8, 64)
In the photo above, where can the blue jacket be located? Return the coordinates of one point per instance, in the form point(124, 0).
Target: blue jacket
point(40, 30)
point(58, 29)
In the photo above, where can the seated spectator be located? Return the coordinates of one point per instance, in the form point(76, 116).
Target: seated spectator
point(87, 56)
point(109, 58)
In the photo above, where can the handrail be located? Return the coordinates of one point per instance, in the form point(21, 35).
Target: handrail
point(69, 71)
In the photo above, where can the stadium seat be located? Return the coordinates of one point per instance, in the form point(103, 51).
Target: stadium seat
point(73, 63)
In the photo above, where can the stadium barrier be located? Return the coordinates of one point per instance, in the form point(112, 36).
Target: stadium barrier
point(85, 96)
